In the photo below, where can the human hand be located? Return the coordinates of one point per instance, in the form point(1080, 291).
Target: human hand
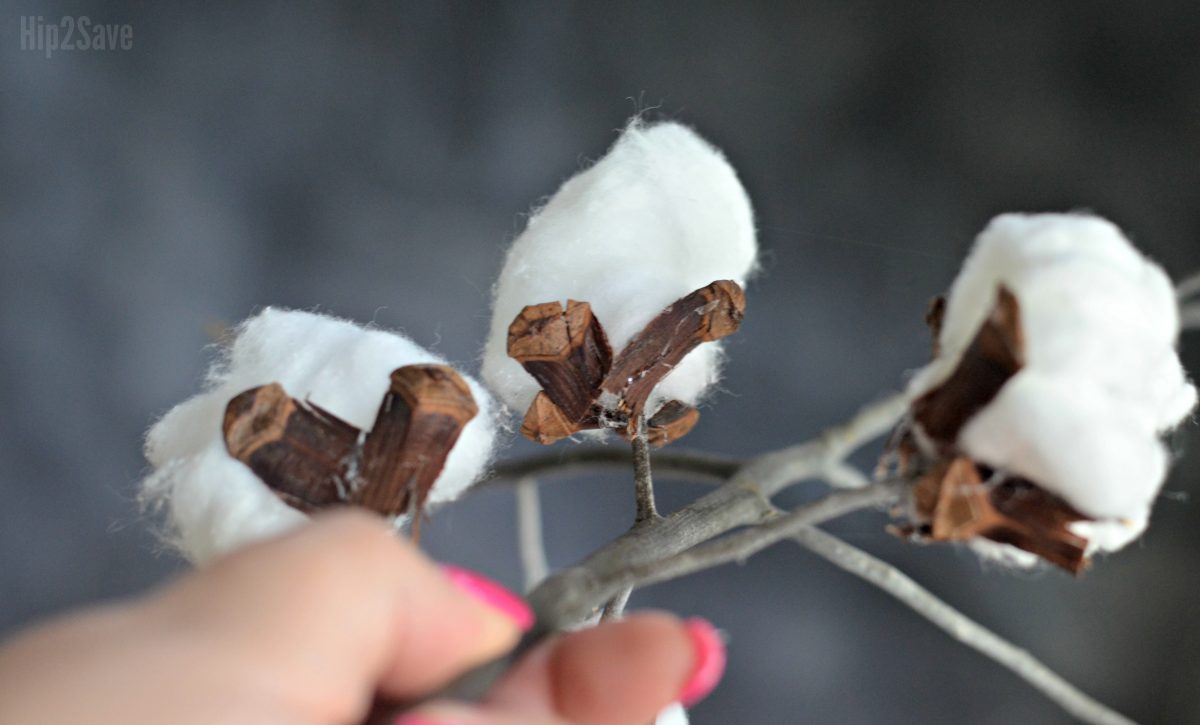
point(308, 628)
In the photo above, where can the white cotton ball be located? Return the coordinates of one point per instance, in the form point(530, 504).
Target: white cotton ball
point(1102, 379)
point(674, 714)
point(1003, 554)
point(1070, 440)
point(214, 502)
point(1111, 534)
point(661, 215)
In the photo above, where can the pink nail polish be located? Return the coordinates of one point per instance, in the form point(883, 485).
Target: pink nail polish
point(418, 720)
point(710, 661)
point(491, 594)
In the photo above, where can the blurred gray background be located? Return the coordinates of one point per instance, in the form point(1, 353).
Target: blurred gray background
point(373, 160)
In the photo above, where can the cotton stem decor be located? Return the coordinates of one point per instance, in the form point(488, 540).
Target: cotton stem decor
point(1035, 435)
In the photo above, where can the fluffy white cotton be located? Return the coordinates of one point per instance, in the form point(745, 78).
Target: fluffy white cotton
point(216, 503)
point(1102, 379)
point(661, 215)
point(674, 714)
point(1003, 554)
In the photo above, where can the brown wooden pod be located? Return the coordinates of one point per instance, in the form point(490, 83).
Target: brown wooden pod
point(957, 504)
point(673, 421)
point(545, 422)
point(585, 388)
point(301, 451)
point(313, 460)
point(565, 350)
point(419, 421)
point(995, 355)
point(708, 314)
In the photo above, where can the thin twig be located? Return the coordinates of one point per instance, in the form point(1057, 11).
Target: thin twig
point(647, 510)
point(1188, 287)
point(616, 606)
point(668, 463)
point(1189, 317)
point(843, 475)
point(958, 625)
point(643, 477)
point(529, 533)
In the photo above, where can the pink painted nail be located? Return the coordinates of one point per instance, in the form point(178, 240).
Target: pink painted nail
point(710, 661)
point(491, 594)
point(418, 720)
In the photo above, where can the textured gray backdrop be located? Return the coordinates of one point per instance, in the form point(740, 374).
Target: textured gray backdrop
point(374, 160)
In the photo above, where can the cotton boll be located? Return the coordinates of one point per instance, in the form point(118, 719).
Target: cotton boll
point(216, 503)
point(661, 215)
point(1101, 378)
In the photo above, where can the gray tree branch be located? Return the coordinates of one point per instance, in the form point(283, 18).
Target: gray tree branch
point(645, 554)
point(958, 625)
point(1188, 287)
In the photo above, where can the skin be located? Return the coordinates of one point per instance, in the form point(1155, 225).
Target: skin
point(286, 632)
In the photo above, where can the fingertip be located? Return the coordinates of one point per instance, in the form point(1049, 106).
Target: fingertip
point(491, 594)
point(709, 665)
point(459, 619)
point(623, 671)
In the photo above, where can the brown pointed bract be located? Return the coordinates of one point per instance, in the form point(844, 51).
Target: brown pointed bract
point(419, 421)
point(935, 316)
point(959, 505)
point(708, 314)
point(546, 423)
point(566, 351)
point(298, 449)
point(673, 421)
point(584, 387)
point(314, 460)
point(995, 355)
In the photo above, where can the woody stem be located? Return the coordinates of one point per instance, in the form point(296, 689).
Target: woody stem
point(643, 480)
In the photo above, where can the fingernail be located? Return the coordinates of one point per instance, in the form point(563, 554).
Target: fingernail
point(710, 661)
point(491, 594)
point(418, 720)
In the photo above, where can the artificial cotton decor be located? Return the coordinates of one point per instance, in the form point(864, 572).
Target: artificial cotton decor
point(1055, 373)
point(216, 502)
point(662, 216)
point(1035, 434)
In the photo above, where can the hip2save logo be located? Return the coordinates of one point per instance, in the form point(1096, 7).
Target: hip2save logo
point(72, 33)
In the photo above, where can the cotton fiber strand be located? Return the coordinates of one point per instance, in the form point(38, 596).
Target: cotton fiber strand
point(216, 503)
point(661, 215)
point(1102, 380)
